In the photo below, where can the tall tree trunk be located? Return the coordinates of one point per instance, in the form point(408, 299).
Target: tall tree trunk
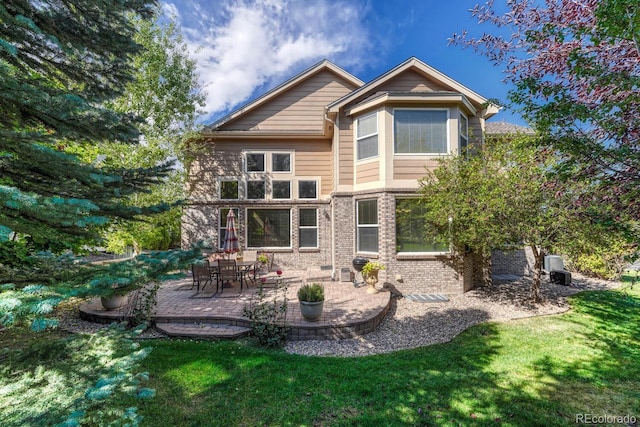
point(537, 273)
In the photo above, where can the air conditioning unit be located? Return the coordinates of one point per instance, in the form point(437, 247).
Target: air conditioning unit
point(560, 277)
point(553, 262)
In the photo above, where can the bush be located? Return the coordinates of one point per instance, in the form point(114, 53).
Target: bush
point(311, 293)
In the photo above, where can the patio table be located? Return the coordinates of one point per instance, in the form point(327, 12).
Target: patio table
point(243, 267)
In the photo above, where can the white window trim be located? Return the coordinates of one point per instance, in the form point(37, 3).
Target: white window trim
point(358, 226)
point(460, 135)
point(309, 227)
point(291, 162)
point(377, 132)
point(393, 133)
point(246, 163)
point(416, 254)
point(315, 179)
point(281, 198)
point(246, 228)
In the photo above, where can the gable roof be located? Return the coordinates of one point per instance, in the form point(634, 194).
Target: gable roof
point(505, 128)
point(314, 69)
point(428, 71)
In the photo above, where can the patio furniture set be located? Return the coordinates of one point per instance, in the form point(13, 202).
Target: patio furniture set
point(226, 271)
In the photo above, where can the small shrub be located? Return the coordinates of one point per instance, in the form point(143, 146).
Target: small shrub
point(269, 318)
point(311, 292)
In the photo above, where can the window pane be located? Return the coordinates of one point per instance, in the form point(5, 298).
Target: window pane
point(281, 189)
point(308, 237)
point(308, 217)
point(411, 229)
point(367, 125)
point(222, 224)
point(368, 212)
point(228, 189)
point(268, 228)
point(255, 162)
point(281, 162)
point(255, 190)
point(420, 131)
point(368, 147)
point(368, 239)
point(307, 189)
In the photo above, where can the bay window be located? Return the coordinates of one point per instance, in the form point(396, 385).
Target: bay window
point(420, 131)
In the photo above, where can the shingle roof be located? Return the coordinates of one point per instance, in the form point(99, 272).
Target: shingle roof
point(502, 128)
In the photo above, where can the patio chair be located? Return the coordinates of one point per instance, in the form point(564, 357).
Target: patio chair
point(228, 272)
point(250, 271)
point(202, 275)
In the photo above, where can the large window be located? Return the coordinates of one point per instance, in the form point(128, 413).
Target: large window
point(222, 224)
point(269, 228)
point(420, 131)
point(367, 232)
point(412, 234)
point(308, 228)
point(367, 136)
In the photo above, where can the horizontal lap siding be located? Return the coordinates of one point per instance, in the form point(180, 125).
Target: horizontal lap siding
point(367, 172)
point(412, 168)
point(345, 154)
point(312, 158)
point(300, 108)
point(410, 81)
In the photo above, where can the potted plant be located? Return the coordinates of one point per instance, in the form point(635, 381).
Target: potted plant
point(311, 297)
point(370, 273)
point(116, 298)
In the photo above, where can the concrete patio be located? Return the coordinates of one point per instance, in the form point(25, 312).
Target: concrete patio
point(349, 311)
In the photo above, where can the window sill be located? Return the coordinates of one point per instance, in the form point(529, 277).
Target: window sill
point(426, 256)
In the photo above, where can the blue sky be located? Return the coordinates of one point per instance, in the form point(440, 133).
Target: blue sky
point(245, 47)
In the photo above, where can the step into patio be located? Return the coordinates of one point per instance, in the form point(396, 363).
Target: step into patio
point(427, 297)
point(202, 330)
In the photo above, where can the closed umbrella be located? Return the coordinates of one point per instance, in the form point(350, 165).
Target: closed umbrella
point(231, 244)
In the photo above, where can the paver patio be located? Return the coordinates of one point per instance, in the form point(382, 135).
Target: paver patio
point(348, 310)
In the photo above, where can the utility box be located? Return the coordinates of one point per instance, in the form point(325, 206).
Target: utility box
point(560, 277)
point(345, 275)
point(553, 262)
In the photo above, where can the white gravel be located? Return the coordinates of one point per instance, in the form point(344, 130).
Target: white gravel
point(411, 324)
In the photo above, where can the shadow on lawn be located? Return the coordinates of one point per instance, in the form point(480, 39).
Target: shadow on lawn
point(473, 380)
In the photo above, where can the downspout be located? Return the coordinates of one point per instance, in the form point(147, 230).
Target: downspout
point(333, 206)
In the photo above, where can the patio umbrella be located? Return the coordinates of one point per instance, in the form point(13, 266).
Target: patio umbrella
point(231, 244)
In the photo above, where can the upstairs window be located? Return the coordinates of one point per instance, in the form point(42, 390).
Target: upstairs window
point(255, 162)
point(281, 189)
point(464, 134)
point(281, 162)
point(420, 131)
point(229, 190)
point(256, 189)
point(367, 136)
point(307, 190)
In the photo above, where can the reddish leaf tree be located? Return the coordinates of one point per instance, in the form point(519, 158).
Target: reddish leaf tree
point(575, 66)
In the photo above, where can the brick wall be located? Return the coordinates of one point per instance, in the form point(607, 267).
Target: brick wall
point(519, 262)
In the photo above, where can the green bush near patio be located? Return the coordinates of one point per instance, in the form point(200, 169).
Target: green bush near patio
point(529, 372)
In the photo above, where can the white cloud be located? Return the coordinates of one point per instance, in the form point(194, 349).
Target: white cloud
point(245, 45)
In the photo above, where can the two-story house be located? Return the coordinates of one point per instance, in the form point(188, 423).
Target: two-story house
point(324, 168)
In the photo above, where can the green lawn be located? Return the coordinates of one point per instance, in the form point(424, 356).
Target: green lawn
point(531, 372)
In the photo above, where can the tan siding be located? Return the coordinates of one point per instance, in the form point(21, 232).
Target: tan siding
point(412, 168)
point(410, 81)
point(345, 156)
point(299, 108)
point(312, 158)
point(367, 172)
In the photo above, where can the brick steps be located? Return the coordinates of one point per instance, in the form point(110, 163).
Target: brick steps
point(202, 330)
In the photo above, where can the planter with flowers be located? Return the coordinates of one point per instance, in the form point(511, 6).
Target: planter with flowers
point(311, 297)
point(370, 273)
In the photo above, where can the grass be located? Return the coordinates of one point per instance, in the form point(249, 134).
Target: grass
point(531, 372)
